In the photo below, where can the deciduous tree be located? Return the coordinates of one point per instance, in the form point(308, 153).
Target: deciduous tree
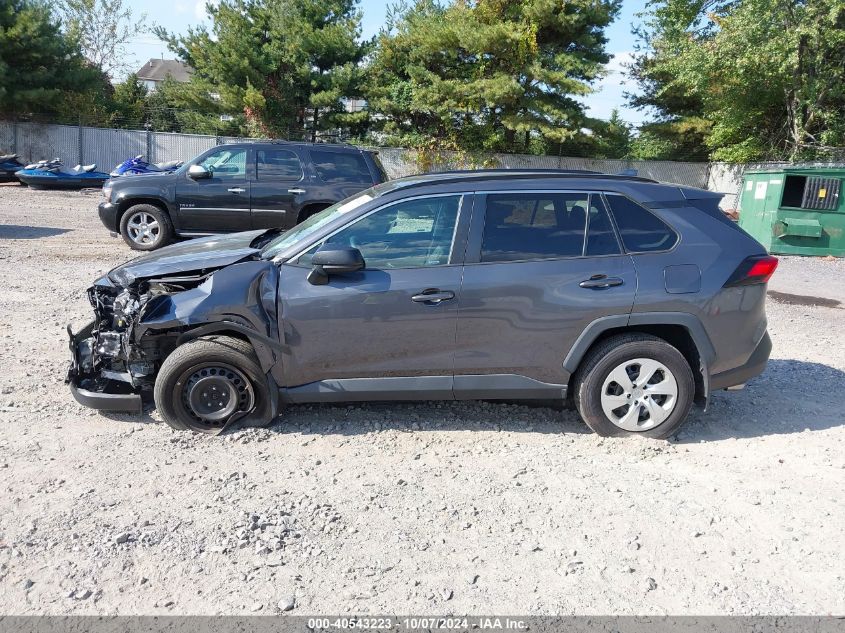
point(103, 28)
point(763, 79)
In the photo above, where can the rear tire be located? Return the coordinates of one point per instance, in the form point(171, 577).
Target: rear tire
point(145, 227)
point(634, 384)
point(207, 382)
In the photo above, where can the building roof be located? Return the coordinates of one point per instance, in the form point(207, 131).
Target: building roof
point(159, 69)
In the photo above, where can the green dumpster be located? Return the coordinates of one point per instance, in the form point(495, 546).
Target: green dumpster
point(795, 210)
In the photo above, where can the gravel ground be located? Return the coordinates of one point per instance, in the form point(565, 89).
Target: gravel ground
point(434, 508)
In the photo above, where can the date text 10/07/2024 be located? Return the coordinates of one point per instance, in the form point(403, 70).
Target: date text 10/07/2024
point(417, 623)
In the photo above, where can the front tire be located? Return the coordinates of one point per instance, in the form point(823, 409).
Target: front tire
point(145, 227)
point(634, 384)
point(208, 382)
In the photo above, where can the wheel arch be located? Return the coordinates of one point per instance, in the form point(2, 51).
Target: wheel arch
point(683, 331)
point(263, 346)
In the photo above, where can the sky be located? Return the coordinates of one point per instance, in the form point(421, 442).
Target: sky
point(178, 15)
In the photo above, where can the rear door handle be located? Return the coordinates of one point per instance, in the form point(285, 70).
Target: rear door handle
point(236, 190)
point(433, 296)
point(296, 190)
point(597, 282)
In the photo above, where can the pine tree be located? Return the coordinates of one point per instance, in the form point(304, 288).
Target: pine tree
point(490, 74)
point(286, 65)
point(39, 66)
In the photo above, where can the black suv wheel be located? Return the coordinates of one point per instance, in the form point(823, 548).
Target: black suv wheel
point(634, 384)
point(145, 227)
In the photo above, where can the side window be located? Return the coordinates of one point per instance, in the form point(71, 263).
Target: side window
point(640, 230)
point(226, 163)
point(520, 226)
point(277, 164)
point(601, 240)
point(341, 167)
point(407, 234)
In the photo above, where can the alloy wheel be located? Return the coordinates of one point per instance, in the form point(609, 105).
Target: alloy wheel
point(143, 228)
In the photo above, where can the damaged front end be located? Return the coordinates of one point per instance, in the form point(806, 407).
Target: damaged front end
point(149, 306)
point(111, 365)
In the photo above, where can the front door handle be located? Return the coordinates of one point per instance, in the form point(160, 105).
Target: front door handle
point(597, 282)
point(296, 190)
point(236, 190)
point(433, 296)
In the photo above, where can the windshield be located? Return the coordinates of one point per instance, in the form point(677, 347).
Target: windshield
point(315, 223)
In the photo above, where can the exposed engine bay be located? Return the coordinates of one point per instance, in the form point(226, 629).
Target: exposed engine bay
point(146, 308)
point(110, 354)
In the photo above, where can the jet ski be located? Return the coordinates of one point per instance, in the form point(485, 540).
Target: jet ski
point(54, 175)
point(138, 165)
point(9, 166)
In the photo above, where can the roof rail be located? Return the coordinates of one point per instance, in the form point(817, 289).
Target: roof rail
point(480, 174)
point(506, 170)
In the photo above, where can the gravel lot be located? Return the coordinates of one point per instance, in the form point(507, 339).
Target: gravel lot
point(441, 508)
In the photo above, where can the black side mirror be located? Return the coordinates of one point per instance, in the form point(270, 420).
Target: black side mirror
point(334, 261)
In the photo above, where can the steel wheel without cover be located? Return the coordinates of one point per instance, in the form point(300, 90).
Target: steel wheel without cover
point(639, 394)
point(213, 392)
point(143, 228)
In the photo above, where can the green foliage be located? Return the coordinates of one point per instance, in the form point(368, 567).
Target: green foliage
point(128, 103)
point(41, 70)
point(489, 74)
point(767, 76)
point(682, 139)
point(613, 137)
point(284, 64)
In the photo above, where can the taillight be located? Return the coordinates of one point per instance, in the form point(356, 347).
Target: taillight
point(753, 270)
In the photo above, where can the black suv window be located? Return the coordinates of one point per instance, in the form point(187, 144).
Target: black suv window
point(407, 234)
point(341, 167)
point(641, 231)
point(278, 164)
point(226, 163)
point(520, 226)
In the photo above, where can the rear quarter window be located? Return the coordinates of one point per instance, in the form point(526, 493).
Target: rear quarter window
point(641, 231)
point(341, 167)
point(710, 206)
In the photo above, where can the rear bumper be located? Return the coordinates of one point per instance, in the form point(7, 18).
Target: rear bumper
point(108, 215)
point(104, 395)
point(753, 367)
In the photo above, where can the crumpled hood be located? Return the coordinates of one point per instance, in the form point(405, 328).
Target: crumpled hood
point(204, 254)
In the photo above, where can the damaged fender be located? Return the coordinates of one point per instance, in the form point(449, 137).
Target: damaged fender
point(116, 358)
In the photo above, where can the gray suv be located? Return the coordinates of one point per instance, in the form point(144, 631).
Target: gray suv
point(628, 298)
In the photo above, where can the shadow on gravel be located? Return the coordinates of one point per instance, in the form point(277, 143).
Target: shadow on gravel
point(132, 418)
point(18, 232)
point(804, 300)
point(791, 396)
point(445, 415)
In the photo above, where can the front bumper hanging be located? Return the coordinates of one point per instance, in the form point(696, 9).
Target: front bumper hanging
point(97, 395)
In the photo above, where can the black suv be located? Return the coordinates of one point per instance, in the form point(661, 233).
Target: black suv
point(236, 187)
